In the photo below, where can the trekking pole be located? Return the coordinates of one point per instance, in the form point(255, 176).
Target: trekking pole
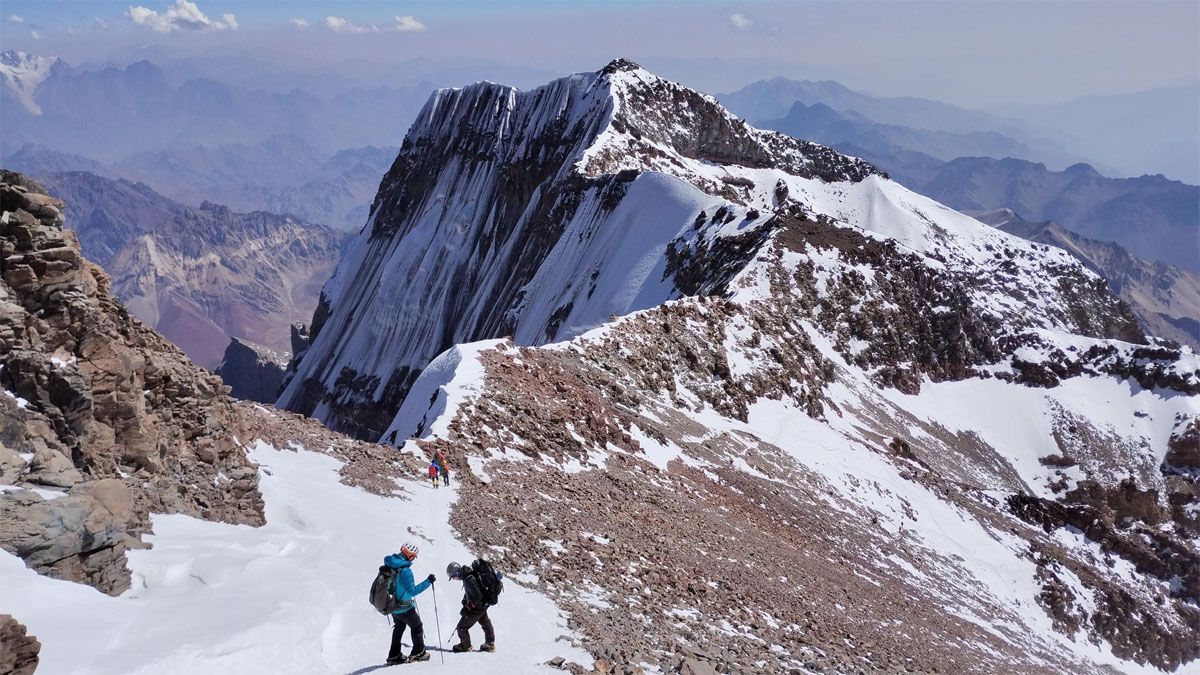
point(441, 645)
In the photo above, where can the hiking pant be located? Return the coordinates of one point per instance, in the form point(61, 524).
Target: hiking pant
point(471, 616)
point(409, 619)
point(446, 477)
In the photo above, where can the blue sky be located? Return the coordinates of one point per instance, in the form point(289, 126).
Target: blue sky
point(976, 53)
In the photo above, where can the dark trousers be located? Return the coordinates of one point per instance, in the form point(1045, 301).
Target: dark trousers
point(471, 616)
point(446, 477)
point(409, 619)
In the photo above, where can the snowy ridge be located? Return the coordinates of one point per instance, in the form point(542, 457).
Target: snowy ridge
point(936, 470)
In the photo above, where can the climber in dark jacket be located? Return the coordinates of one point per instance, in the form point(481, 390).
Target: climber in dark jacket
point(405, 615)
point(474, 610)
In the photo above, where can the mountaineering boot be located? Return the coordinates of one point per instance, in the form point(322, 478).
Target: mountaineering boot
point(423, 656)
point(488, 647)
point(460, 647)
point(395, 661)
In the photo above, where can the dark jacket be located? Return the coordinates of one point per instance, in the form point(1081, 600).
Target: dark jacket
point(472, 593)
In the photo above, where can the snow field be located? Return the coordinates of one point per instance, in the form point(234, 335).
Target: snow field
point(290, 596)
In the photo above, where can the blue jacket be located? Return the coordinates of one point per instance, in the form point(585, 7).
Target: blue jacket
point(406, 590)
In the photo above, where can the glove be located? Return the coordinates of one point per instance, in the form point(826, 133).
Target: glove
point(431, 578)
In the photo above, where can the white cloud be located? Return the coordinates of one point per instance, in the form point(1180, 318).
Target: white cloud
point(101, 24)
point(340, 25)
point(71, 30)
point(742, 22)
point(302, 24)
point(13, 18)
point(182, 15)
point(35, 35)
point(408, 24)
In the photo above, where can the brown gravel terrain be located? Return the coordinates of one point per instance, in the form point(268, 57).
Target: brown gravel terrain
point(740, 557)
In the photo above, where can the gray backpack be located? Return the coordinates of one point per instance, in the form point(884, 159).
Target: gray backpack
point(383, 590)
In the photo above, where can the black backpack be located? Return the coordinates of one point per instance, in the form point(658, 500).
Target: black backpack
point(489, 582)
point(383, 590)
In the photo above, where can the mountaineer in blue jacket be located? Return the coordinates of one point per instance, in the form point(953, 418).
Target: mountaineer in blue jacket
point(405, 615)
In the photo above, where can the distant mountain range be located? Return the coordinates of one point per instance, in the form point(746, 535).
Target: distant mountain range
point(112, 112)
point(935, 128)
point(200, 276)
point(821, 123)
point(1156, 131)
point(283, 174)
point(1165, 298)
point(1151, 216)
point(1148, 132)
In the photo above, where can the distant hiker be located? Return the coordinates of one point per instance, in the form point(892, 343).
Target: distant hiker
point(440, 458)
point(433, 473)
point(405, 614)
point(481, 590)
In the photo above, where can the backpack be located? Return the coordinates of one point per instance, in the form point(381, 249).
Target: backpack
point(489, 582)
point(383, 590)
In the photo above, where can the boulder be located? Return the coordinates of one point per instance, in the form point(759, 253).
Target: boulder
point(80, 537)
point(253, 372)
point(12, 466)
point(18, 650)
point(51, 467)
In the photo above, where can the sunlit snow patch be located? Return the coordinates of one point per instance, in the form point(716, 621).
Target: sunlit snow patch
point(290, 596)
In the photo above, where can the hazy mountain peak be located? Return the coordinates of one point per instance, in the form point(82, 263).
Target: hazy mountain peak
point(23, 73)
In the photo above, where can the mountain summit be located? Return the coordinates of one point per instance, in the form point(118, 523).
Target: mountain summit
point(794, 416)
point(537, 214)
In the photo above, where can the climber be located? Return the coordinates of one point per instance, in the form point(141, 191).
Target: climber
point(433, 472)
point(405, 615)
point(481, 590)
point(440, 458)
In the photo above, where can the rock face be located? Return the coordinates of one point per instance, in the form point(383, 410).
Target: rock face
point(200, 276)
point(834, 425)
point(18, 651)
point(253, 372)
point(1165, 299)
point(102, 421)
point(520, 213)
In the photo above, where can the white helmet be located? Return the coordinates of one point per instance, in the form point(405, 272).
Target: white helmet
point(409, 550)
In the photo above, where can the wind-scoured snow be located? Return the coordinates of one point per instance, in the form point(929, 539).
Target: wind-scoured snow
point(290, 596)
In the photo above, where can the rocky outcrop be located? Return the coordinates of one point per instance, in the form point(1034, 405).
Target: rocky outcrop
point(110, 421)
point(200, 276)
point(634, 473)
point(1164, 298)
point(18, 650)
point(253, 372)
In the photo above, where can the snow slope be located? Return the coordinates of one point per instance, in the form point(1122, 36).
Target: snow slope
point(290, 596)
point(23, 73)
